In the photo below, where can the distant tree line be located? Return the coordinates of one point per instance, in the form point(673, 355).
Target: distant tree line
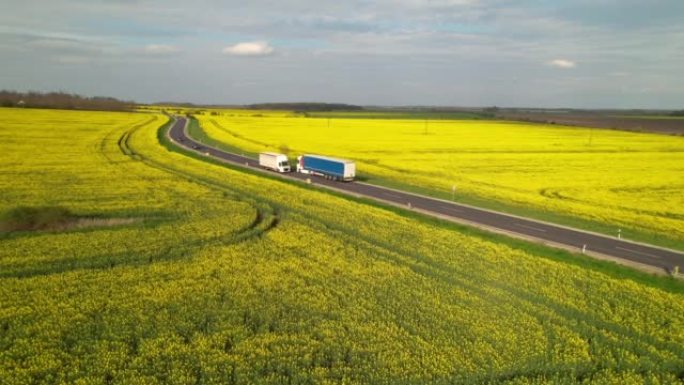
point(305, 107)
point(61, 100)
point(677, 113)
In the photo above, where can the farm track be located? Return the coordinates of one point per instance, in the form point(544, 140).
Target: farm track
point(266, 217)
point(642, 256)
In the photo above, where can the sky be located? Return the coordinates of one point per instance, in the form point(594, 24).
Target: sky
point(535, 53)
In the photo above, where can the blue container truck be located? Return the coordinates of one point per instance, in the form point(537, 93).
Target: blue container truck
point(330, 168)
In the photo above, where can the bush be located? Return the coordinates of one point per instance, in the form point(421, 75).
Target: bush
point(24, 218)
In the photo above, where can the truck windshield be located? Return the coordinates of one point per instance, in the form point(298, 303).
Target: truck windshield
point(283, 164)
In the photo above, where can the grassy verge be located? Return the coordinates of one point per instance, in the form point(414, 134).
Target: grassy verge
point(611, 269)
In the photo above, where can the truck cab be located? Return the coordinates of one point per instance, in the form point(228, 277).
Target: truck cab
point(300, 166)
point(283, 165)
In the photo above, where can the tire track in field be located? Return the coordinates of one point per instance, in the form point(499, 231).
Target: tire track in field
point(238, 136)
point(559, 194)
point(548, 312)
point(265, 219)
point(266, 216)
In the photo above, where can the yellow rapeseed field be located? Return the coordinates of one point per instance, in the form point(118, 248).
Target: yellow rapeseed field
point(631, 181)
point(233, 278)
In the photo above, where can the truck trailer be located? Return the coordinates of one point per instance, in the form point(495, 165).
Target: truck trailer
point(274, 161)
point(330, 168)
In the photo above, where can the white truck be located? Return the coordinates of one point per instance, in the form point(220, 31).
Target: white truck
point(274, 161)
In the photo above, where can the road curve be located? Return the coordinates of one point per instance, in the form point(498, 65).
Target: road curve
point(639, 255)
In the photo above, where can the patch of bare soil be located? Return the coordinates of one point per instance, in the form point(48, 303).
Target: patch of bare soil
point(84, 223)
point(54, 219)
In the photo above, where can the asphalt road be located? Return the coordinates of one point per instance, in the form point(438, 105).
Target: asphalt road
point(637, 254)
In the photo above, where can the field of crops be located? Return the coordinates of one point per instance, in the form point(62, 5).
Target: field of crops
point(603, 180)
point(233, 278)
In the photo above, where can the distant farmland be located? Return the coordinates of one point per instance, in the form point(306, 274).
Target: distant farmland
point(225, 277)
point(663, 124)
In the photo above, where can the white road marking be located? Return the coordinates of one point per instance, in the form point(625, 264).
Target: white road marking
point(638, 252)
point(394, 195)
point(454, 209)
point(530, 227)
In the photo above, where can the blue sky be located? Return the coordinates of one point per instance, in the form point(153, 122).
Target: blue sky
point(584, 54)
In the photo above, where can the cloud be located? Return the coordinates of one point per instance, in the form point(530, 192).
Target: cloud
point(72, 59)
point(562, 63)
point(160, 49)
point(619, 74)
point(368, 45)
point(255, 48)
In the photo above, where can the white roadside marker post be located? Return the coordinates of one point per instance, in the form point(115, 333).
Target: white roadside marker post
point(619, 233)
point(453, 192)
point(584, 249)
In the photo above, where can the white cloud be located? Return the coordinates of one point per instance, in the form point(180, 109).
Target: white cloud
point(254, 48)
point(160, 49)
point(562, 63)
point(619, 74)
point(72, 59)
